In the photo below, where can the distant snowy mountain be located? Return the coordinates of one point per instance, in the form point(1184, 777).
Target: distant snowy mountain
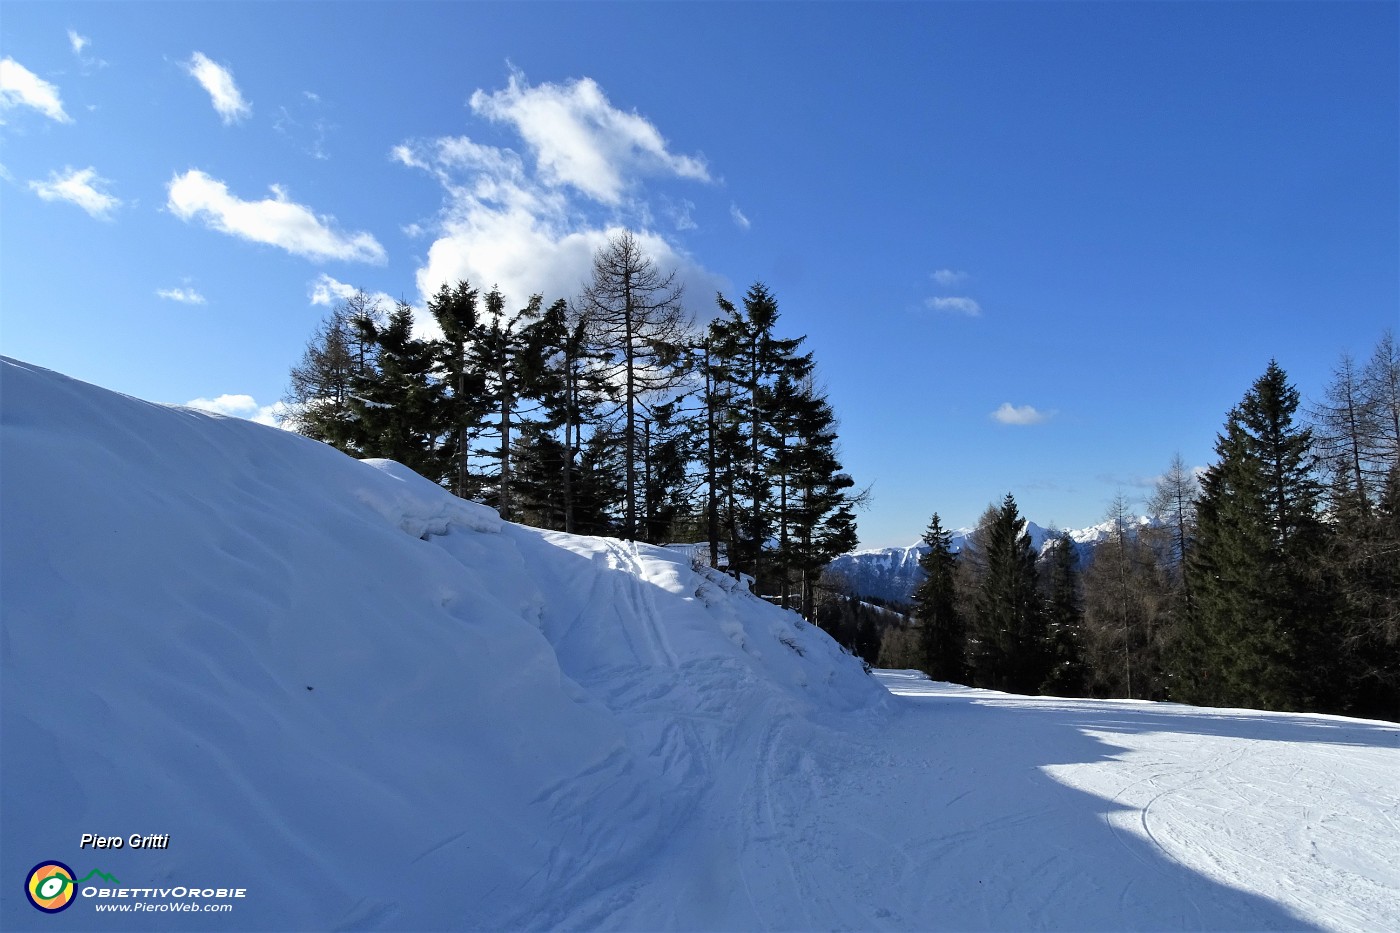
point(892, 573)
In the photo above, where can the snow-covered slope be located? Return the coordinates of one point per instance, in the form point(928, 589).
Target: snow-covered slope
point(370, 705)
point(333, 684)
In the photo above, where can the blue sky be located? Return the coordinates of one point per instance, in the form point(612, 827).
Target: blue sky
point(1036, 248)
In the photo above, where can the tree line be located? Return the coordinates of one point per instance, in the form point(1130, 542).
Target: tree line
point(608, 413)
point(1271, 581)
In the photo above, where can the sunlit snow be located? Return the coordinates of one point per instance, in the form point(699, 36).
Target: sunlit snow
point(375, 706)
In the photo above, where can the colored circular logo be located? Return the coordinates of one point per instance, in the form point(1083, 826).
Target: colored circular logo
point(50, 887)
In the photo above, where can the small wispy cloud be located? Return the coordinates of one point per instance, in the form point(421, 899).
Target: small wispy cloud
point(738, 217)
point(89, 63)
point(302, 125)
point(955, 306)
point(1019, 414)
point(950, 277)
point(187, 296)
point(80, 187)
point(327, 291)
point(20, 87)
point(680, 213)
point(223, 92)
point(276, 221)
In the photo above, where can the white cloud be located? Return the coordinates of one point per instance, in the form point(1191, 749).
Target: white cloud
point(276, 221)
point(680, 213)
point(327, 291)
point(21, 87)
point(529, 229)
point(955, 306)
point(80, 187)
point(949, 277)
point(579, 139)
point(89, 63)
point(187, 296)
point(240, 406)
point(218, 81)
point(1019, 415)
point(738, 217)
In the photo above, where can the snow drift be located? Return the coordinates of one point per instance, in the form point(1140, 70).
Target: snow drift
point(337, 686)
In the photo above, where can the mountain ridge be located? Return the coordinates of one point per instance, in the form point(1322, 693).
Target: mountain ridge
point(891, 574)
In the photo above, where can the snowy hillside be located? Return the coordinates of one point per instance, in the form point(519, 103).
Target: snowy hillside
point(337, 686)
point(370, 705)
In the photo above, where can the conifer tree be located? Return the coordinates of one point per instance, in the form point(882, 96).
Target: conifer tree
point(717, 438)
point(1348, 428)
point(510, 354)
point(1006, 649)
point(1064, 620)
point(576, 388)
point(1264, 632)
point(815, 514)
point(763, 370)
point(455, 310)
point(942, 636)
point(1380, 387)
point(1126, 601)
point(398, 408)
point(1173, 505)
point(635, 314)
point(336, 358)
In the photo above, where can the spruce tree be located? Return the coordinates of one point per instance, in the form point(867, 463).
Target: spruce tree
point(455, 310)
point(1006, 649)
point(763, 371)
point(399, 411)
point(1264, 630)
point(510, 354)
point(1064, 620)
point(942, 636)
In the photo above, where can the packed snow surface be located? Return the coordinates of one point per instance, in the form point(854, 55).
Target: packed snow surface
point(371, 705)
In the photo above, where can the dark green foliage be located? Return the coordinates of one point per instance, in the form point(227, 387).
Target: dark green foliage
point(455, 310)
point(1126, 609)
point(860, 627)
point(398, 408)
point(1064, 620)
point(763, 372)
point(1006, 638)
point(1365, 555)
point(336, 358)
point(585, 417)
point(1263, 633)
point(942, 634)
